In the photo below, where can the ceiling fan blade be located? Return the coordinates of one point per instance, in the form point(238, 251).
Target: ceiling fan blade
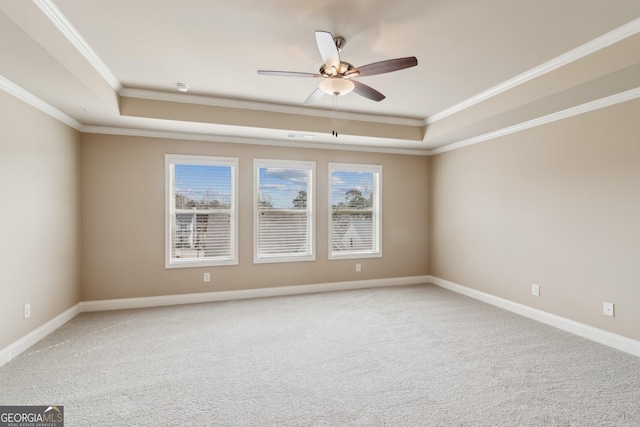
point(328, 49)
point(314, 97)
point(384, 66)
point(287, 74)
point(367, 91)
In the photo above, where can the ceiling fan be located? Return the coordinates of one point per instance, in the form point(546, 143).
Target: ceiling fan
point(338, 75)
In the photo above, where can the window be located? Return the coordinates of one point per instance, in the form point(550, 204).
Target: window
point(354, 224)
point(284, 216)
point(201, 215)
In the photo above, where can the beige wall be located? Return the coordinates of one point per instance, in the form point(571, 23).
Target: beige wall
point(40, 218)
point(123, 220)
point(557, 205)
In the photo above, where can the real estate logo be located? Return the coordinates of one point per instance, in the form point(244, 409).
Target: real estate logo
point(31, 416)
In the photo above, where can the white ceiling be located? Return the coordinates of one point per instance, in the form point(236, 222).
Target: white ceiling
point(483, 66)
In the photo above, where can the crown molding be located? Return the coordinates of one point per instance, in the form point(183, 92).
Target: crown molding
point(67, 29)
point(569, 112)
point(263, 106)
point(54, 14)
point(32, 100)
point(11, 88)
point(586, 49)
point(15, 90)
point(154, 133)
point(64, 26)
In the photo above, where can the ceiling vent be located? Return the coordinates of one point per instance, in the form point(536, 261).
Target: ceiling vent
point(301, 136)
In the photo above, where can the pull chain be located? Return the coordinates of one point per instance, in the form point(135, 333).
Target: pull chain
point(333, 116)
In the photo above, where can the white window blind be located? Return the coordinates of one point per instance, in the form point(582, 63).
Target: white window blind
point(201, 211)
point(284, 216)
point(355, 222)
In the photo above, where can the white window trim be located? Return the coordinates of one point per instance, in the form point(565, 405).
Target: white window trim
point(352, 167)
point(293, 164)
point(200, 160)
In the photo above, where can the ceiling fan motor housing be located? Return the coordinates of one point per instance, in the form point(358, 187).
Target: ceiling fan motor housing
point(329, 72)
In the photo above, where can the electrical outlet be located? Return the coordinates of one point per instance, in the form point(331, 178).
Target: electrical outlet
point(27, 310)
point(358, 267)
point(607, 308)
point(535, 290)
point(207, 277)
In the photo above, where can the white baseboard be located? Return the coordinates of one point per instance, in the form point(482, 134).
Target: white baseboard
point(8, 353)
point(126, 303)
point(33, 337)
point(598, 335)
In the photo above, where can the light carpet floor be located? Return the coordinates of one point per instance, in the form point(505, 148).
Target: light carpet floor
point(401, 356)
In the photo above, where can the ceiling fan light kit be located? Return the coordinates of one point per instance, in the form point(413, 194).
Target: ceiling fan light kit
point(337, 75)
point(336, 86)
